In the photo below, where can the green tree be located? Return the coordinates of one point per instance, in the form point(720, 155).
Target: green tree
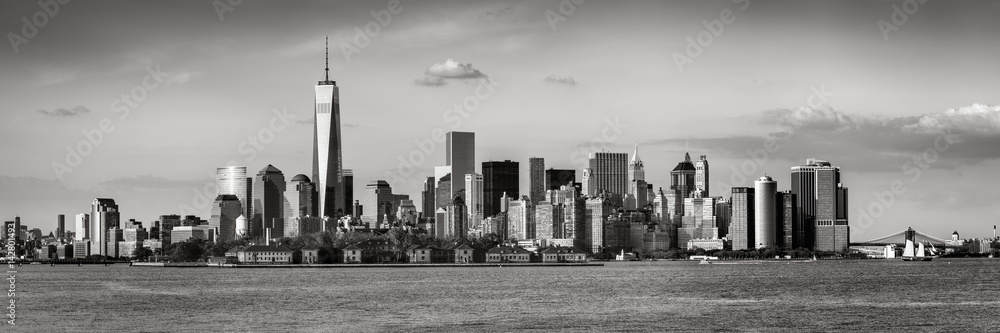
point(142, 254)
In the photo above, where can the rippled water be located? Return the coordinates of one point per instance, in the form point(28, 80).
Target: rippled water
point(863, 295)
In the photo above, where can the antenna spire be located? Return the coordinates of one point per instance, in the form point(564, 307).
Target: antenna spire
point(328, 58)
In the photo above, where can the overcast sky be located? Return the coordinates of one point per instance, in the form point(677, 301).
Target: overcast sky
point(824, 79)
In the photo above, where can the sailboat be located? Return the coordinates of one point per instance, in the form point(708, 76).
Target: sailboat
point(909, 254)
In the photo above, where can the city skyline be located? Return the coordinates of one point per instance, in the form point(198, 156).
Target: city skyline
point(872, 135)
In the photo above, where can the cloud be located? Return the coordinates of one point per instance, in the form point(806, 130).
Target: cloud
point(428, 81)
point(870, 143)
point(451, 69)
point(567, 80)
point(76, 110)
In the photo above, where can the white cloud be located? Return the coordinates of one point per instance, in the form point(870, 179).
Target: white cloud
point(567, 80)
point(975, 118)
point(451, 69)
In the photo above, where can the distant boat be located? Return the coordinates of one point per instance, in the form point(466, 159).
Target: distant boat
point(911, 254)
point(704, 262)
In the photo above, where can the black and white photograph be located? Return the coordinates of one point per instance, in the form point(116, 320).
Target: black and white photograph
point(500, 165)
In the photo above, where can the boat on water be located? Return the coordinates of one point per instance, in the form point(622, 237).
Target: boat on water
point(918, 254)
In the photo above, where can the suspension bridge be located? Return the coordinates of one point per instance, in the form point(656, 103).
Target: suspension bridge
point(899, 238)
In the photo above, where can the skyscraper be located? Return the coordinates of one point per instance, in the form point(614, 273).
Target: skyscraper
point(554, 178)
point(474, 198)
point(741, 226)
point(521, 218)
point(60, 226)
point(103, 216)
point(536, 179)
point(765, 212)
point(460, 155)
point(377, 203)
point(300, 198)
point(328, 168)
point(348, 185)
point(817, 188)
point(637, 196)
point(681, 185)
point(499, 177)
point(268, 203)
point(427, 199)
point(82, 226)
point(609, 172)
point(233, 180)
point(225, 210)
point(787, 212)
point(701, 175)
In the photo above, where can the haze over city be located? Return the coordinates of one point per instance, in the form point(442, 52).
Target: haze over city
point(237, 85)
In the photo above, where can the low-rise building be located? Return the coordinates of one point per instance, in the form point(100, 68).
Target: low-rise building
point(369, 251)
point(310, 255)
point(265, 254)
point(81, 249)
point(563, 254)
point(428, 254)
point(464, 253)
point(706, 244)
point(504, 254)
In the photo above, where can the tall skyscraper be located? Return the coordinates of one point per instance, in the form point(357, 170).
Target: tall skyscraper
point(701, 175)
point(681, 186)
point(609, 172)
point(595, 215)
point(474, 197)
point(442, 187)
point(103, 216)
point(787, 212)
point(60, 226)
point(536, 179)
point(348, 185)
point(499, 177)
point(427, 198)
point(637, 196)
point(460, 155)
point(521, 218)
point(377, 203)
point(268, 203)
point(328, 168)
point(233, 180)
point(817, 188)
point(225, 210)
point(765, 212)
point(554, 178)
point(723, 215)
point(82, 226)
point(741, 227)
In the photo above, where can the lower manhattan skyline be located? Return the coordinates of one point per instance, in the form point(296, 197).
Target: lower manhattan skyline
point(153, 108)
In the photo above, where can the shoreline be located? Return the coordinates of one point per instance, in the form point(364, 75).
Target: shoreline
point(395, 265)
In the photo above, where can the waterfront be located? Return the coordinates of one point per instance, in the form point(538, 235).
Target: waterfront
point(855, 295)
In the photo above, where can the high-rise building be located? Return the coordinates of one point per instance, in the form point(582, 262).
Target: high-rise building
point(545, 222)
point(456, 224)
point(521, 218)
point(817, 188)
point(723, 215)
point(348, 185)
point(474, 197)
point(233, 180)
point(300, 198)
point(499, 177)
point(225, 210)
point(701, 175)
point(268, 203)
point(536, 179)
point(741, 226)
point(636, 196)
point(786, 218)
point(460, 155)
point(608, 172)
point(765, 212)
point(377, 203)
point(698, 220)
point(103, 216)
point(60, 226)
point(554, 178)
point(427, 199)
point(442, 187)
point(328, 167)
point(82, 226)
point(595, 215)
point(682, 184)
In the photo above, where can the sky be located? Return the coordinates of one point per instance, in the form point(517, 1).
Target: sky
point(142, 101)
